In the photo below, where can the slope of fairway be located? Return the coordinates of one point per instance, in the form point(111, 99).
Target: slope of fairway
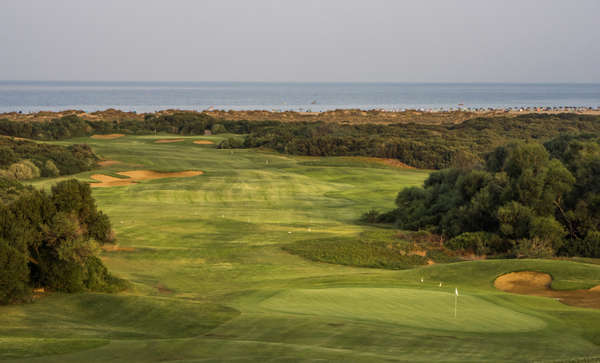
point(211, 282)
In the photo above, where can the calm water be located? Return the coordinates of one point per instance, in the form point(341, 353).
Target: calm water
point(152, 96)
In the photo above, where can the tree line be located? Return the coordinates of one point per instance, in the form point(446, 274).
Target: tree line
point(21, 160)
point(426, 146)
point(524, 200)
point(422, 146)
point(71, 126)
point(51, 240)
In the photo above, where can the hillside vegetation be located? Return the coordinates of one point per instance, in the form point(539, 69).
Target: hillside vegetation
point(528, 200)
point(418, 143)
point(22, 159)
point(51, 240)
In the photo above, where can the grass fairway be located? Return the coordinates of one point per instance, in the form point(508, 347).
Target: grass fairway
point(210, 281)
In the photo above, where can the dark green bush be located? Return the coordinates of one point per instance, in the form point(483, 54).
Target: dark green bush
point(53, 240)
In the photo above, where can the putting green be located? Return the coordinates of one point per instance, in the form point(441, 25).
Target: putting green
point(408, 307)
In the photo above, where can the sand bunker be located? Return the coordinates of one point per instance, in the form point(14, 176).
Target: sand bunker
point(137, 175)
point(108, 162)
point(167, 141)
point(203, 142)
point(538, 284)
point(107, 137)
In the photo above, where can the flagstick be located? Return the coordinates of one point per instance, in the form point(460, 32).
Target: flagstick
point(455, 300)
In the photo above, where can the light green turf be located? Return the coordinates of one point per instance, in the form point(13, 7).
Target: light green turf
point(228, 292)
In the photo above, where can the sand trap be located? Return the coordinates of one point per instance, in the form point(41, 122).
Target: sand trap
point(109, 181)
point(203, 142)
point(137, 175)
point(167, 141)
point(108, 162)
point(107, 137)
point(538, 284)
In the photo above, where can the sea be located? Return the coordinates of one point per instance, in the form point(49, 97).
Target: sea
point(34, 96)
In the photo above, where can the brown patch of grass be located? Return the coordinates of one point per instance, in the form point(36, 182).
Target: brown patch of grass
point(107, 136)
point(137, 175)
point(203, 142)
point(162, 289)
point(538, 284)
point(167, 141)
point(421, 253)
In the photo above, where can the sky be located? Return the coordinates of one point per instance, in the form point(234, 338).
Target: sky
point(301, 40)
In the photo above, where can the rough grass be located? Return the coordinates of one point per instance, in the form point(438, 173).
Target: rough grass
point(384, 248)
point(210, 281)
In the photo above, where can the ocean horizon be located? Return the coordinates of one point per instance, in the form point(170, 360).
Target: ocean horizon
point(150, 96)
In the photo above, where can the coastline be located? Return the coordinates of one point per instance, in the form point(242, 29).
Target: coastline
point(342, 115)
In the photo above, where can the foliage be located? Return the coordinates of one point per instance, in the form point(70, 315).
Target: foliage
point(423, 146)
point(380, 249)
point(428, 146)
point(357, 252)
point(530, 199)
point(51, 240)
point(372, 216)
point(22, 160)
point(478, 243)
point(70, 126)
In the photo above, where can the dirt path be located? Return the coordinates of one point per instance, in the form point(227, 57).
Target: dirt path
point(539, 284)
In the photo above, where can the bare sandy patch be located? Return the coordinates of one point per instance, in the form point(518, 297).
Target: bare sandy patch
point(13, 138)
point(538, 284)
point(108, 162)
point(389, 162)
point(203, 142)
point(107, 137)
point(109, 181)
point(137, 175)
point(117, 248)
point(167, 141)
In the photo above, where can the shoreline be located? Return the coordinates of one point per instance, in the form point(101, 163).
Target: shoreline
point(354, 116)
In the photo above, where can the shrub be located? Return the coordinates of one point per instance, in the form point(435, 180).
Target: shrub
point(475, 242)
point(371, 216)
point(50, 169)
point(24, 170)
point(534, 248)
point(14, 274)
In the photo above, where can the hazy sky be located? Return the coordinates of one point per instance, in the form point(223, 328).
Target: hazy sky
point(301, 40)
